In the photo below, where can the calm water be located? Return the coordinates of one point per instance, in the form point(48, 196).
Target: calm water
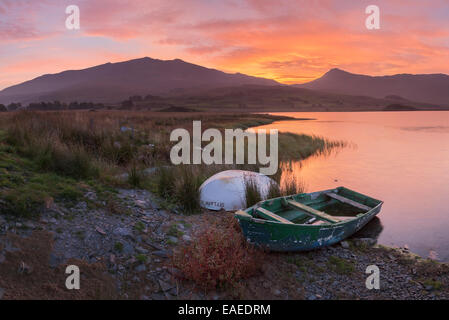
point(401, 158)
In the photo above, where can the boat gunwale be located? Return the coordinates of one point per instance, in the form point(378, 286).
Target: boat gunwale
point(324, 224)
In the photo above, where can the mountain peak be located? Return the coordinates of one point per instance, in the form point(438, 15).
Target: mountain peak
point(336, 71)
point(115, 82)
point(428, 88)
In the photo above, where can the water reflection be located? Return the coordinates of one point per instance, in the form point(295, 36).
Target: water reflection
point(371, 230)
point(406, 168)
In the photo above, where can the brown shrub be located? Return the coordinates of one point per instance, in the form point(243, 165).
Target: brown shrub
point(218, 256)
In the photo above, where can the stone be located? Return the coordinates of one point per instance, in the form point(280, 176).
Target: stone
point(165, 286)
point(277, 292)
point(141, 204)
point(344, 244)
point(140, 268)
point(174, 292)
point(172, 239)
point(141, 250)
point(2, 292)
point(123, 232)
point(162, 253)
point(154, 245)
point(29, 225)
point(186, 238)
point(127, 248)
point(100, 231)
point(91, 196)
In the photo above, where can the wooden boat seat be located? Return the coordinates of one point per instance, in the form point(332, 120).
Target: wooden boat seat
point(273, 215)
point(348, 201)
point(243, 213)
point(318, 214)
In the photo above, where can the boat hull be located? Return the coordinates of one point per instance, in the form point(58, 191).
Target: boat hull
point(277, 236)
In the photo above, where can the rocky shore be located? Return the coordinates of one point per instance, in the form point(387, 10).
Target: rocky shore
point(130, 240)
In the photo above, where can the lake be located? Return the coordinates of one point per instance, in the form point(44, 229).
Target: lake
point(401, 158)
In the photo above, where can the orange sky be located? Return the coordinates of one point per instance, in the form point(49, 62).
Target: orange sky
point(287, 40)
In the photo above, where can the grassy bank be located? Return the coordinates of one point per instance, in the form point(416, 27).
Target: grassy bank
point(46, 156)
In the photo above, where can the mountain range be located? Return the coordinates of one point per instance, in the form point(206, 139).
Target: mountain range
point(429, 88)
point(172, 79)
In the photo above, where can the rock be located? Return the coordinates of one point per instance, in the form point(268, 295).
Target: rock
point(127, 249)
point(276, 292)
point(141, 250)
point(100, 231)
point(186, 238)
point(154, 245)
point(123, 232)
point(172, 239)
point(174, 292)
point(18, 225)
point(163, 213)
point(165, 286)
point(140, 268)
point(141, 204)
point(266, 285)
point(144, 297)
point(312, 297)
point(29, 225)
point(91, 196)
point(162, 253)
point(433, 255)
point(344, 244)
point(2, 257)
point(2, 292)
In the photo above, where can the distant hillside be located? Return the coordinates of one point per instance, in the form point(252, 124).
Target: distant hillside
point(274, 98)
point(114, 82)
point(429, 88)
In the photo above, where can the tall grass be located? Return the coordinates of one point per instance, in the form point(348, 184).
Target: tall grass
point(253, 193)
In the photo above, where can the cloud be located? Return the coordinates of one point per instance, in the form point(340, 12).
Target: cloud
point(271, 38)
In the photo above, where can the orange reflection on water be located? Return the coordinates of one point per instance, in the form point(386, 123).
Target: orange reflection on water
point(401, 158)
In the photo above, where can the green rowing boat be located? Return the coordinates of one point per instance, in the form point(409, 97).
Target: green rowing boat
point(307, 221)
